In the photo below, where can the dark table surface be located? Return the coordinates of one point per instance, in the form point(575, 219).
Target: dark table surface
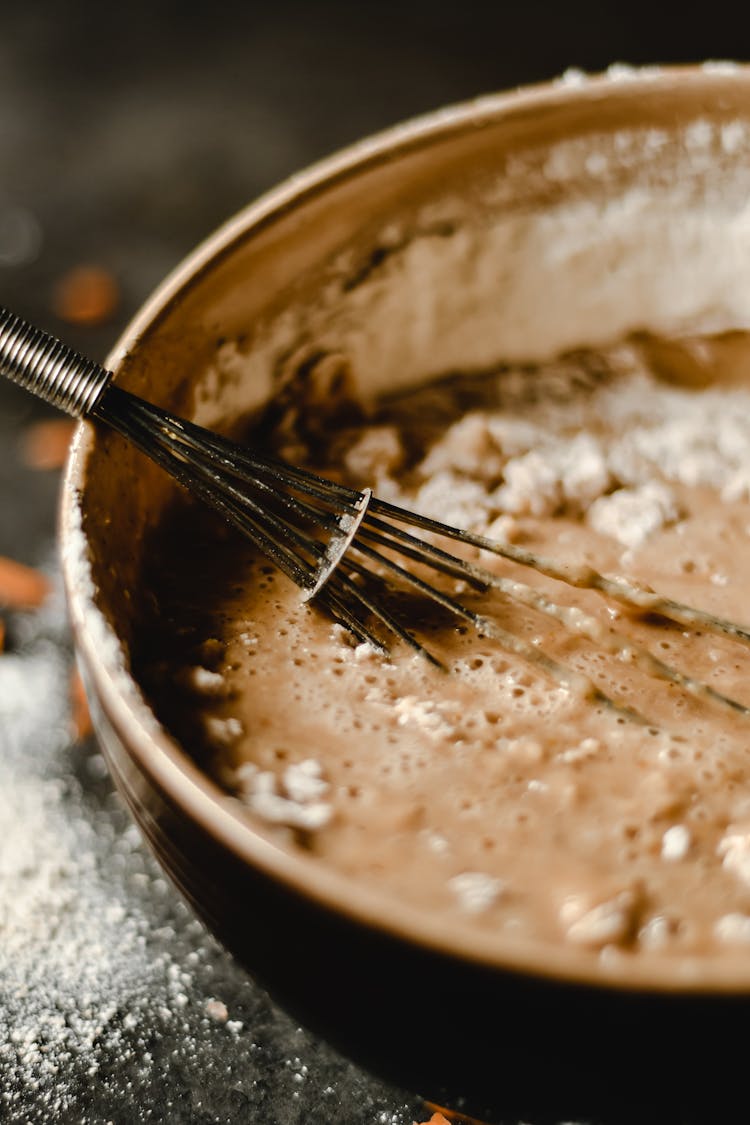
point(126, 135)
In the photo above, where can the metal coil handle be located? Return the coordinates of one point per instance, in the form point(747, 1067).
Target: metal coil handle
point(48, 368)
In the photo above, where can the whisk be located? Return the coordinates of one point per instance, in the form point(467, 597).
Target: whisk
point(343, 547)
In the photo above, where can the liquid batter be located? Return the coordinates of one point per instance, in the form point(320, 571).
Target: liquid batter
point(490, 791)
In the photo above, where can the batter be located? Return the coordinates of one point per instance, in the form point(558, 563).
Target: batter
point(490, 791)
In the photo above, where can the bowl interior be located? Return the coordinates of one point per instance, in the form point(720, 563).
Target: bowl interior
point(512, 228)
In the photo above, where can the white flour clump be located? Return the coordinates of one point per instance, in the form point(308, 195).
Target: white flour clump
point(631, 515)
point(611, 444)
point(294, 800)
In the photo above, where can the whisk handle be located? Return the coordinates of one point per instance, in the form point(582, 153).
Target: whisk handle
point(48, 368)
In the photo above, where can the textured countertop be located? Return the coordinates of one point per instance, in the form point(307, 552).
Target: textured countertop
point(126, 136)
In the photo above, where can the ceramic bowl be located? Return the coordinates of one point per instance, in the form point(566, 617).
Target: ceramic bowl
point(512, 227)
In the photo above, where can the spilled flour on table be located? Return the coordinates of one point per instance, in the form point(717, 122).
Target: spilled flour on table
point(78, 969)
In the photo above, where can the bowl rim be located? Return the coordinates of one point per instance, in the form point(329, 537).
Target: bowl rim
point(163, 760)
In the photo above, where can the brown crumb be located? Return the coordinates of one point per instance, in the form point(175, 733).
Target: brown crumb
point(21, 587)
point(217, 1010)
point(79, 707)
point(45, 444)
point(453, 1117)
point(86, 295)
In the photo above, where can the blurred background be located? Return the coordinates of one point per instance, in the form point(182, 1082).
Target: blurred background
point(127, 134)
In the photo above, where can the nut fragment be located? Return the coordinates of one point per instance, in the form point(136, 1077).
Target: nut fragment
point(476, 891)
point(734, 848)
point(21, 587)
point(733, 929)
point(611, 922)
point(217, 1010)
point(45, 444)
point(86, 295)
point(676, 842)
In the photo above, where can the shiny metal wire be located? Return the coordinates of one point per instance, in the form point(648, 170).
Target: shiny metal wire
point(344, 548)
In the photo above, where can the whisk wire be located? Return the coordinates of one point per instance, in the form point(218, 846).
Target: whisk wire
point(581, 577)
point(352, 527)
point(346, 548)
